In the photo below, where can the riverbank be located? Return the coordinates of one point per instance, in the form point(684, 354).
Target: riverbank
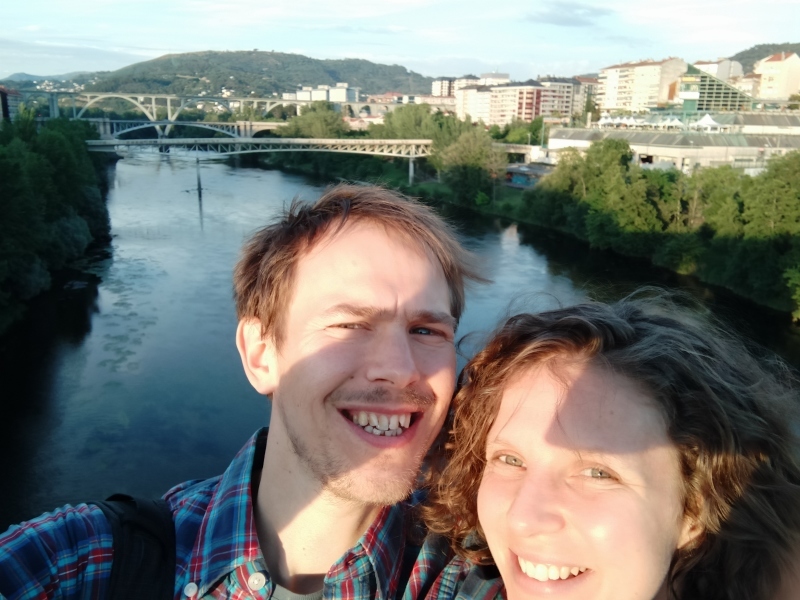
point(54, 206)
point(631, 217)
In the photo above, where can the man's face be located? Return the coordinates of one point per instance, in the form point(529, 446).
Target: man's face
point(366, 368)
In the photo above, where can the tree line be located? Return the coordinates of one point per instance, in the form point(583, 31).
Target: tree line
point(51, 205)
point(723, 226)
point(718, 224)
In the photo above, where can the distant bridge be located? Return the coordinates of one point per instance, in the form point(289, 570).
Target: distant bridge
point(112, 129)
point(409, 149)
point(149, 104)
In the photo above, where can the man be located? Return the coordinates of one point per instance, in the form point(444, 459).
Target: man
point(347, 314)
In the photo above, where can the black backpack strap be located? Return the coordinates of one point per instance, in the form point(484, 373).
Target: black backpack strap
point(144, 548)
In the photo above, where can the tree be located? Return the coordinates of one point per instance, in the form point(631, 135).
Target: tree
point(471, 163)
point(317, 120)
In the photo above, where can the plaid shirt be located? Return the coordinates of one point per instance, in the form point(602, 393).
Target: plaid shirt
point(67, 554)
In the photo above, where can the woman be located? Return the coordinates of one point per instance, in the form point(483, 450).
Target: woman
point(625, 451)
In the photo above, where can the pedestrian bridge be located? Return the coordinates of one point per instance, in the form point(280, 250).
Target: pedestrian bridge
point(409, 149)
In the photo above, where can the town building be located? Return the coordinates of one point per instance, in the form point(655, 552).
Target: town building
point(473, 101)
point(640, 86)
point(342, 92)
point(749, 84)
point(491, 79)
point(700, 91)
point(586, 91)
point(465, 81)
point(724, 69)
point(682, 150)
point(559, 97)
point(780, 76)
point(385, 98)
point(443, 86)
point(516, 101)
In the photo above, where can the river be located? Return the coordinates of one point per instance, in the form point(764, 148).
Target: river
point(125, 377)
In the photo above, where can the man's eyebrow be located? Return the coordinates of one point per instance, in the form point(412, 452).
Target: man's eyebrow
point(366, 312)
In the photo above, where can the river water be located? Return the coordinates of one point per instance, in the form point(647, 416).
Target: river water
point(125, 377)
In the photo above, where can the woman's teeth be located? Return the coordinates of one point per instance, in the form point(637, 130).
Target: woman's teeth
point(541, 572)
point(380, 424)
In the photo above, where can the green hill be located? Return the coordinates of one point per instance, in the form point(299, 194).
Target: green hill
point(749, 57)
point(261, 72)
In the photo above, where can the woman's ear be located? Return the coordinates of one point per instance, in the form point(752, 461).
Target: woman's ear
point(258, 356)
point(692, 533)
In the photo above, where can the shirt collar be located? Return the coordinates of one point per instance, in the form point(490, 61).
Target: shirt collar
point(228, 537)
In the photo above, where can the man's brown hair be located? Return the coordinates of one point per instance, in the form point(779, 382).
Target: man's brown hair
point(732, 417)
point(264, 276)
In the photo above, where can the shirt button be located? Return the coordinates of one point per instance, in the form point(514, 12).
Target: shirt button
point(190, 589)
point(256, 581)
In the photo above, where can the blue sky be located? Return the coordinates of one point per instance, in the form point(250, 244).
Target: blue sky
point(435, 37)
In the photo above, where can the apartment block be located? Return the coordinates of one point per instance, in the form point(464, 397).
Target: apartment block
point(558, 98)
point(723, 69)
point(491, 79)
point(465, 81)
point(780, 75)
point(587, 90)
point(473, 100)
point(639, 86)
point(443, 86)
point(515, 101)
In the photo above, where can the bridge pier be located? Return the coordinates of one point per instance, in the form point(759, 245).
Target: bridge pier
point(53, 102)
point(411, 170)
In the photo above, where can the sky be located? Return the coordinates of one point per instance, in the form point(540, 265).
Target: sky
point(525, 38)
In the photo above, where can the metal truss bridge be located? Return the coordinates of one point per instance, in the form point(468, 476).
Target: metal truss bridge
point(409, 149)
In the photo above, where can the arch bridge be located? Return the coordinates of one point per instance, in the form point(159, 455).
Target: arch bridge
point(112, 128)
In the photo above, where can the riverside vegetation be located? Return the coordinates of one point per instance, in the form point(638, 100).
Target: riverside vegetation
point(718, 224)
point(52, 205)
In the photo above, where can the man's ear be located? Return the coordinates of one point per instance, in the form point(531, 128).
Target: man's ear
point(258, 356)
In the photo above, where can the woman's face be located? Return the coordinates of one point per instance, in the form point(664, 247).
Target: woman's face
point(582, 493)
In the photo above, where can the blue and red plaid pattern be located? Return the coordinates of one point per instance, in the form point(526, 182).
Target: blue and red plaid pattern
point(67, 554)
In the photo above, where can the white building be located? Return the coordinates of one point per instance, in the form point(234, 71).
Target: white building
point(342, 92)
point(473, 101)
point(443, 86)
point(466, 80)
point(491, 79)
point(780, 76)
point(638, 86)
point(724, 68)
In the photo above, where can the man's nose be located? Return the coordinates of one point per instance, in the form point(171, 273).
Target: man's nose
point(538, 507)
point(392, 359)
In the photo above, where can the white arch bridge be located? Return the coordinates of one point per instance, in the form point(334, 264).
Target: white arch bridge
point(409, 149)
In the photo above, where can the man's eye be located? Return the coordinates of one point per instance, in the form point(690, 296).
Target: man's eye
point(511, 460)
point(431, 332)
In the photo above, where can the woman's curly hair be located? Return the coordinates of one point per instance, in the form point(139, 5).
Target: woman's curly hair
point(733, 418)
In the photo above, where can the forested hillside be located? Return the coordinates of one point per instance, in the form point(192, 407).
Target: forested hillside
point(749, 57)
point(254, 71)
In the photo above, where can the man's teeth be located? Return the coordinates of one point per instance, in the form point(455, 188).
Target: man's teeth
point(541, 572)
point(380, 424)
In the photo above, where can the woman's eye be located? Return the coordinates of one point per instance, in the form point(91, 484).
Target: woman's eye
point(511, 460)
point(597, 473)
